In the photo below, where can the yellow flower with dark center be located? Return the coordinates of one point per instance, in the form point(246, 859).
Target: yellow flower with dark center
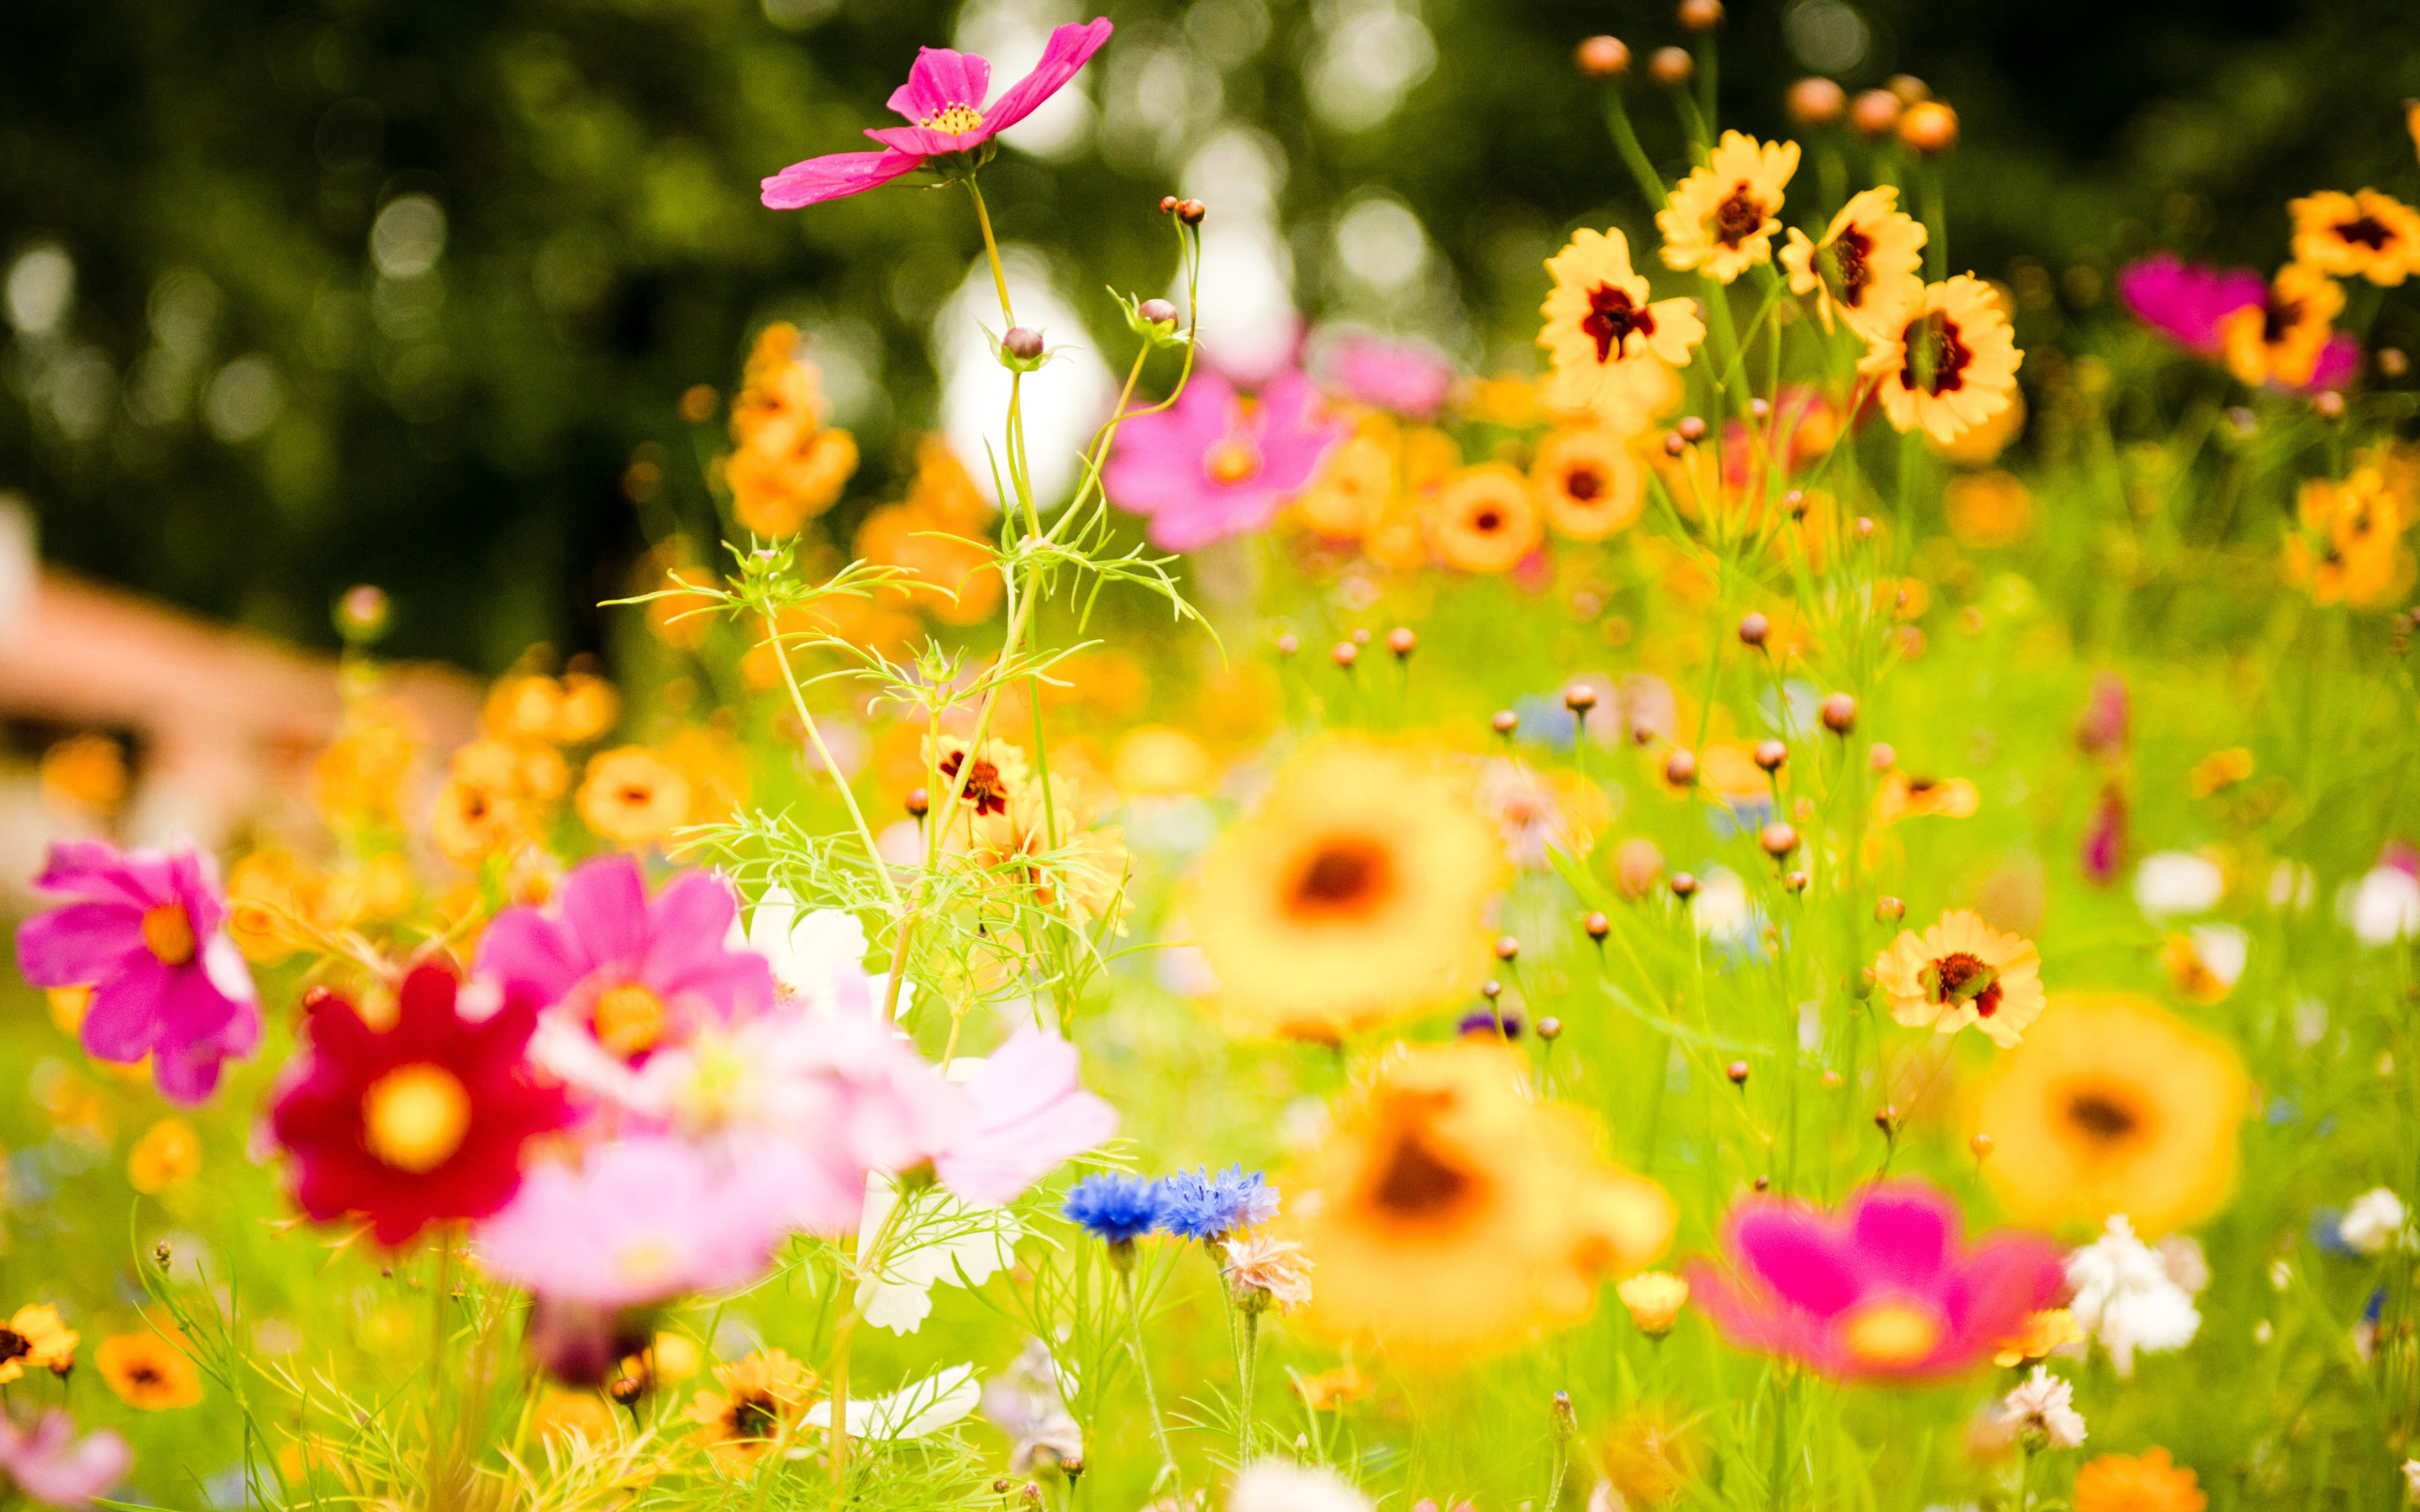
point(633, 796)
point(1598, 320)
point(2113, 1106)
point(1647, 1457)
point(1903, 796)
point(168, 1154)
point(2219, 771)
point(1360, 481)
point(474, 820)
point(1722, 217)
point(1986, 509)
point(1587, 481)
point(2149, 1482)
point(2194, 978)
point(1949, 362)
point(2351, 548)
point(1332, 1391)
point(1866, 266)
point(1963, 971)
point(565, 1417)
point(2280, 340)
point(1351, 898)
point(2365, 234)
point(33, 1340)
point(996, 777)
point(148, 1371)
point(1451, 1214)
point(1484, 520)
point(760, 1398)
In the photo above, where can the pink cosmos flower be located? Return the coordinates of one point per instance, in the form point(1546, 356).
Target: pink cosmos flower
point(1029, 1114)
point(1886, 1289)
point(943, 100)
point(50, 1465)
point(639, 1220)
point(145, 934)
point(1404, 376)
point(624, 978)
point(1215, 465)
point(2185, 301)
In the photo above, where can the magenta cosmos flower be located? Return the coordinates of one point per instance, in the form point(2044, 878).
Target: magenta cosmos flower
point(943, 101)
point(1887, 1288)
point(1215, 464)
point(1404, 376)
point(144, 935)
point(623, 976)
point(2185, 301)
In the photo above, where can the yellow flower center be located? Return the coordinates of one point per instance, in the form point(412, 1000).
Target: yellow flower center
point(1232, 461)
point(956, 119)
point(415, 1117)
point(168, 930)
point(645, 1260)
point(1891, 1334)
point(630, 1020)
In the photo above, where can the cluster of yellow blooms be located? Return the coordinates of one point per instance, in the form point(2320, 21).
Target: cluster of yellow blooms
point(786, 466)
point(2350, 548)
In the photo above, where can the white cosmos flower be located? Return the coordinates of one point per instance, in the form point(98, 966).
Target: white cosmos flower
point(933, 1241)
point(2127, 1299)
point(918, 1409)
point(2170, 883)
point(2373, 1222)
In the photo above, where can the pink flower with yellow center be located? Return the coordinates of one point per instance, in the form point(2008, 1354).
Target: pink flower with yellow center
point(1885, 1289)
point(144, 933)
point(1215, 464)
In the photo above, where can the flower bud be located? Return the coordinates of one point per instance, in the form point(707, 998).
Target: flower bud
point(1598, 927)
point(1795, 881)
point(1032, 1495)
point(1361, 637)
point(1287, 646)
point(1982, 1145)
point(1023, 343)
point(1401, 640)
point(1863, 987)
point(1691, 428)
point(2328, 405)
point(1550, 1028)
point(1579, 699)
point(1839, 714)
point(1700, 15)
point(1491, 988)
point(1883, 756)
point(1679, 769)
point(1654, 1299)
point(1684, 885)
point(1168, 204)
point(1603, 58)
point(1864, 528)
point(1642, 732)
point(626, 1390)
point(1158, 311)
point(1737, 1071)
point(1886, 1120)
point(1770, 754)
point(1908, 89)
point(1566, 1421)
point(1191, 212)
point(1637, 864)
point(1673, 444)
point(1671, 66)
point(2392, 363)
point(362, 614)
point(1816, 102)
point(1764, 1184)
point(1753, 629)
point(1777, 839)
point(1504, 721)
point(1344, 654)
point(1928, 127)
point(1507, 948)
point(920, 803)
point(1873, 113)
point(1889, 910)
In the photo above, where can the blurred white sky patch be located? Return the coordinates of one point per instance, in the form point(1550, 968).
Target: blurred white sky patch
point(1380, 242)
point(1369, 56)
point(1248, 323)
point(1011, 35)
point(1064, 402)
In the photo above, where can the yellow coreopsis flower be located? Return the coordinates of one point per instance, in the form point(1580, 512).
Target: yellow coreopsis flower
point(1866, 266)
point(2279, 341)
point(2367, 234)
point(1949, 364)
point(1598, 320)
point(2350, 549)
point(1963, 971)
point(1722, 218)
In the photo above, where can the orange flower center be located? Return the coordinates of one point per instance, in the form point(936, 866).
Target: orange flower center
point(1233, 460)
point(1737, 218)
point(1346, 877)
point(629, 1020)
point(1415, 1185)
point(415, 1117)
point(168, 930)
point(1891, 1334)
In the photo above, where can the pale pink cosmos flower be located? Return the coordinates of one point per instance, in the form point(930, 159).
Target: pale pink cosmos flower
point(1029, 1114)
point(146, 933)
point(1215, 465)
point(49, 1465)
point(1885, 1289)
point(624, 978)
point(943, 101)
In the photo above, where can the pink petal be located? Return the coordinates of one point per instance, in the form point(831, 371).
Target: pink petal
point(123, 1022)
point(940, 79)
point(53, 1467)
point(1070, 48)
point(1794, 1252)
point(835, 175)
point(1903, 1235)
point(1031, 1114)
point(79, 945)
point(925, 142)
point(603, 906)
point(95, 869)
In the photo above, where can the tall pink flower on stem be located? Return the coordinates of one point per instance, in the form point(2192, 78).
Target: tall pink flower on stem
point(49, 1465)
point(146, 935)
point(1029, 1114)
point(949, 123)
point(1887, 1288)
point(624, 977)
point(1213, 464)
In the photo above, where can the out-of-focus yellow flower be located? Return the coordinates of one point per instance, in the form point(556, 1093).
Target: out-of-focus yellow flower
point(566, 1416)
point(2280, 341)
point(2365, 235)
point(34, 1340)
point(1357, 484)
point(589, 707)
point(86, 772)
point(168, 1154)
point(1647, 1457)
point(2113, 1106)
point(1988, 509)
point(2149, 1482)
point(1587, 481)
point(1654, 1299)
point(2044, 1331)
point(716, 768)
point(1866, 266)
point(2203, 965)
point(951, 573)
point(148, 1371)
point(67, 1006)
point(1451, 1214)
point(359, 776)
point(1160, 758)
point(2351, 548)
point(760, 1396)
point(632, 796)
point(786, 466)
point(2219, 770)
point(1950, 366)
point(1901, 797)
point(1484, 520)
point(1506, 399)
point(1722, 218)
point(1332, 1391)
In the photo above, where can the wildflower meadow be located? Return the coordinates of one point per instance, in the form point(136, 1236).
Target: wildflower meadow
point(1795, 892)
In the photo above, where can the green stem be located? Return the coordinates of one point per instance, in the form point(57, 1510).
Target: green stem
point(1150, 1394)
point(847, 795)
point(991, 250)
point(1617, 120)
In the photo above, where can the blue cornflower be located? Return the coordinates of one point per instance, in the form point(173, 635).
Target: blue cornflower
point(1201, 1205)
point(1118, 1210)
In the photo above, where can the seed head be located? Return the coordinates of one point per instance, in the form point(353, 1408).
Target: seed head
point(1816, 102)
point(1839, 714)
point(1671, 66)
point(1603, 58)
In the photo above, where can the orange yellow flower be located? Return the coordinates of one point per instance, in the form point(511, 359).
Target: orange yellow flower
point(2280, 340)
point(2050, 1329)
point(1987, 509)
point(1589, 482)
point(950, 572)
point(33, 1340)
point(1723, 216)
point(2219, 770)
point(760, 1398)
point(1358, 485)
point(1354, 896)
point(1600, 321)
point(2351, 548)
point(86, 771)
point(1451, 1213)
point(1484, 520)
point(2149, 1482)
point(149, 1371)
point(1866, 266)
point(1963, 971)
point(2113, 1106)
point(1333, 1390)
point(575, 1416)
point(168, 1154)
point(632, 796)
point(1654, 1299)
point(2365, 234)
point(787, 468)
point(1949, 364)
point(1903, 796)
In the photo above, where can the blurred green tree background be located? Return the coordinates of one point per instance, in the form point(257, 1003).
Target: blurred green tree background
point(399, 290)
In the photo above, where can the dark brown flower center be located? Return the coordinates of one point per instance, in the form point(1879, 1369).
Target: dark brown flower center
point(1960, 978)
point(2102, 1117)
point(14, 1346)
point(1846, 270)
point(2278, 318)
point(1936, 357)
point(1583, 484)
point(1487, 522)
point(2366, 231)
point(1416, 1185)
point(1345, 877)
point(984, 789)
point(1737, 218)
point(751, 1415)
point(1612, 318)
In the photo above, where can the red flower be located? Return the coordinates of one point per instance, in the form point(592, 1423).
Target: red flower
point(415, 1123)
